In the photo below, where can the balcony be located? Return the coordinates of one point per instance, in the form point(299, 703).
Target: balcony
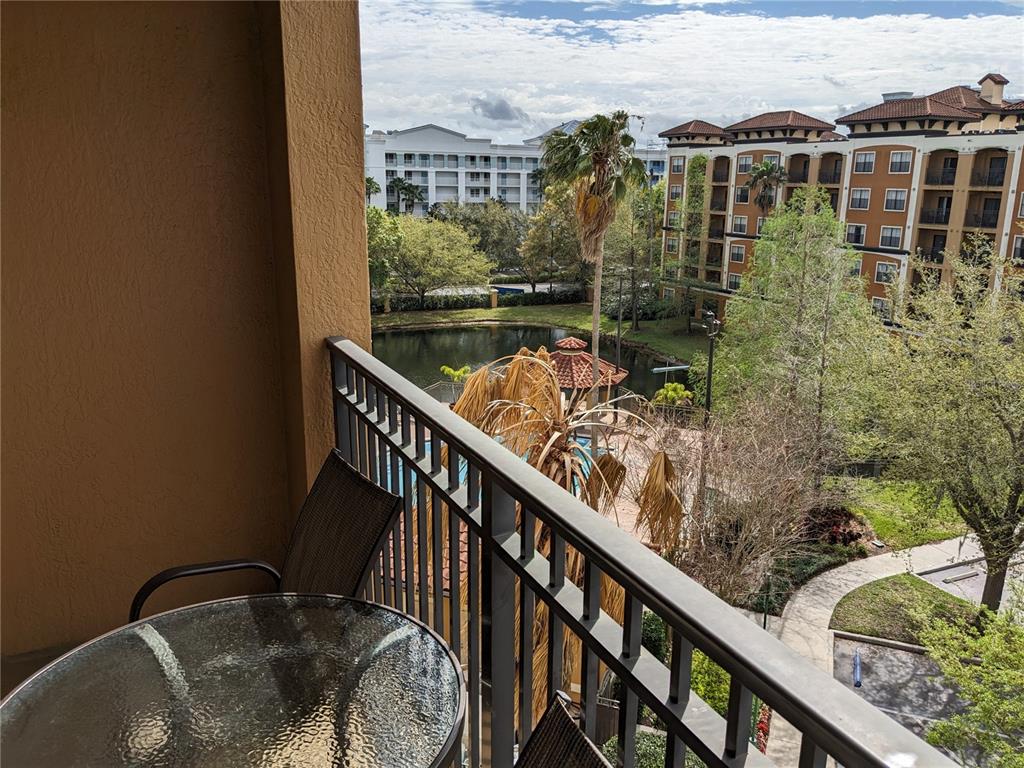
point(713, 260)
point(830, 177)
point(798, 177)
point(718, 205)
point(933, 255)
point(934, 216)
point(481, 557)
point(944, 177)
point(981, 219)
point(988, 178)
point(718, 177)
point(716, 233)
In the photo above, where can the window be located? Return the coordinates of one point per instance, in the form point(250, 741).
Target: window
point(1020, 210)
point(390, 158)
point(890, 237)
point(677, 163)
point(895, 199)
point(743, 163)
point(474, 192)
point(737, 253)
point(773, 159)
point(1018, 251)
point(860, 199)
point(864, 162)
point(671, 244)
point(669, 293)
point(739, 225)
point(675, 192)
point(673, 218)
point(742, 194)
point(885, 271)
point(760, 223)
point(881, 307)
point(855, 233)
point(899, 162)
point(734, 282)
point(855, 268)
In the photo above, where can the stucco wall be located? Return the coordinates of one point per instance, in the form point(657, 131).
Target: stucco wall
point(147, 332)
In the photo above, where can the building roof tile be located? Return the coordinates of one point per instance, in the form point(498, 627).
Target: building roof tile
point(785, 119)
point(907, 109)
point(575, 368)
point(995, 77)
point(694, 128)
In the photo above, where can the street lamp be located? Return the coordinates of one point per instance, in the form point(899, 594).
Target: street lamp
point(712, 325)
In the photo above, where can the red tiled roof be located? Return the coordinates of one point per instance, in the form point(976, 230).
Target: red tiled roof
point(786, 119)
point(832, 136)
point(969, 99)
point(694, 128)
point(995, 77)
point(905, 109)
point(575, 368)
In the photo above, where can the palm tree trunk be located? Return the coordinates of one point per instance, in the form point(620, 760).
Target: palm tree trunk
point(595, 338)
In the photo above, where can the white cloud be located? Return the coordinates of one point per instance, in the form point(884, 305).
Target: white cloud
point(427, 63)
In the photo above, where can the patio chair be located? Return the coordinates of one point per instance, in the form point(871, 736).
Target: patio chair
point(558, 741)
point(343, 524)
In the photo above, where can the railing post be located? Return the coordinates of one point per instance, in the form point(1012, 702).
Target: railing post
point(342, 416)
point(498, 667)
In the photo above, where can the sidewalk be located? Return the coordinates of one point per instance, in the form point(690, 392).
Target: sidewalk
point(804, 622)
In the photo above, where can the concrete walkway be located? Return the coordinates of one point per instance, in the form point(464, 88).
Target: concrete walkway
point(804, 623)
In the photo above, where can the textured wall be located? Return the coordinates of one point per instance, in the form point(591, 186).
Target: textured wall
point(143, 409)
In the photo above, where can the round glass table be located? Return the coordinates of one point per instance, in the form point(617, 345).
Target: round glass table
point(267, 680)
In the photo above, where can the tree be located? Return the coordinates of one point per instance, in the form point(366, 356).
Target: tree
point(436, 254)
point(552, 241)
point(498, 229)
point(765, 179)
point(405, 191)
point(597, 161)
point(632, 241)
point(372, 188)
point(801, 324)
point(692, 231)
point(953, 398)
point(986, 664)
point(383, 241)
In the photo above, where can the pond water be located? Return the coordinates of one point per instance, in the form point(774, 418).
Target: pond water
point(419, 354)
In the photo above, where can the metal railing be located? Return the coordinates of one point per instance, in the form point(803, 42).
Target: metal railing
point(941, 177)
point(829, 178)
point(988, 178)
point(985, 219)
point(717, 177)
point(797, 177)
point(718, 205)
point(934, 255)
point(935, 215)
point(465, 541)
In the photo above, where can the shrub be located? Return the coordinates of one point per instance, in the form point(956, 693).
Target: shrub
point(650, 751)
point(673, 393)
point(649, 306)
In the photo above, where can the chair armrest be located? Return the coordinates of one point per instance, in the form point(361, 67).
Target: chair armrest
point(198, 569)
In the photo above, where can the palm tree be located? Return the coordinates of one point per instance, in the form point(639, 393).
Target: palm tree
point(597, 161)
point(765, 179)
point(405, 191)
point(372, 188)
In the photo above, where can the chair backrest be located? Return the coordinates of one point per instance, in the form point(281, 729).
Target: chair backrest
point(557, 741)
point(343, 525)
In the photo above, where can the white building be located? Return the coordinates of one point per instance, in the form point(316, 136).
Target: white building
point(449, 166)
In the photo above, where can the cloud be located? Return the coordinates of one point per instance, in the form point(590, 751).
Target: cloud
point(498, 109)
point(448, 63)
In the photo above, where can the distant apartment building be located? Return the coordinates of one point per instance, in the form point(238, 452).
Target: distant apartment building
point(914, 174)
point(449, 166)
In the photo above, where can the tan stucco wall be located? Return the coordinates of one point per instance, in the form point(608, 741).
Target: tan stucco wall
point(151, 346)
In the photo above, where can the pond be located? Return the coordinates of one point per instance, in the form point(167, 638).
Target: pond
point(419, 354)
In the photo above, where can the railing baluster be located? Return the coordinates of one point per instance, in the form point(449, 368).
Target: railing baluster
point(737, 719)
point(342, 415)
point(811, 756)
point(527, 606)
point(396, 488)
point(680, 665)
point(382, 456)
point(475, 701)
point(437, 550)
point(422, 553)
point(353, 421)
point(371, 435)
point(556, 630)
point(499, 512)
point(589, 673)
point(410, 582)
point(361, 429)
point(628, 707)
point(454, 560)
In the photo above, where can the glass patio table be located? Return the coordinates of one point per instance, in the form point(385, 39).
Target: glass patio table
point(266, 680)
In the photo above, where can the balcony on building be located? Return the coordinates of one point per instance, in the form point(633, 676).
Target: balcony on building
point(989, 168)
point(719, 200)
point(941, 170)
point(250, 361)
point(714, 256)
point(831, 169)
point(720, 171)
point(798, 168)
point(981, 219)
point(712, 275)
point(716, 231)
point(932, 244)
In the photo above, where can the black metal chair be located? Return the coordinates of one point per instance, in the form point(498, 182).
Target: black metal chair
point(344, 523)
point(557, 742)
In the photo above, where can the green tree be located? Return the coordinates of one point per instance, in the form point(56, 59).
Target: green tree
point(953, 398)
point(597, 161)
point(436, 254)
point(633, 239)
point(383, 240)
point(691, 210)
point(372, 188)
point(552, 242)
point(986, 664)
point(406, 192)
point(499, 231)
point(765, 180)
point(801, 324)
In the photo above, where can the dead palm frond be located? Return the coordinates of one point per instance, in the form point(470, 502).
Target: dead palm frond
point(661, 509)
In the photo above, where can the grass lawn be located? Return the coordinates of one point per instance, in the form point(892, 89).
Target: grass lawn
point(894, 607)
point(667, 336)
point(900, 518)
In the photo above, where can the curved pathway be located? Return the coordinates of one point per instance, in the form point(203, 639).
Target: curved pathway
point(805, 619)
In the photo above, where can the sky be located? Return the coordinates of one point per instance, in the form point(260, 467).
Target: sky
point(511, 69)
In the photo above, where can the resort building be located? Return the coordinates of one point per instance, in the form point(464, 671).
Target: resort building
point(913, 174)
point(449, 166)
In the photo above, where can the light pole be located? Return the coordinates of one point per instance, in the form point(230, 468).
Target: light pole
point(618, 329)
point(712, 325)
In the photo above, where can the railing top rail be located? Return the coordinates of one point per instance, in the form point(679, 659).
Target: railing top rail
point(840, 722)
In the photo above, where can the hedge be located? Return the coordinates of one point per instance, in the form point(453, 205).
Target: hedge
point(407, 303)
